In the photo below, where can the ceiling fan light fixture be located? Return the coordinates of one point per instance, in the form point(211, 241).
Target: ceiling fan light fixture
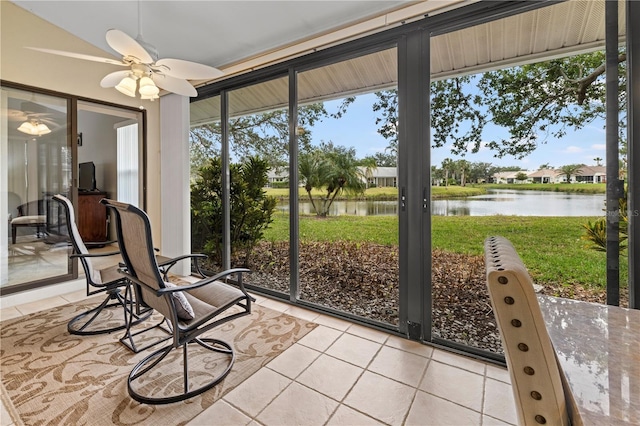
point(149, 97)
point(34, 128)
point(148, 89)
point(127, 86)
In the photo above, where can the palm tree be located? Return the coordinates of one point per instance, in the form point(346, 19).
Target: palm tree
point(312, 170)
point(343, 174)
point(370, 166)
point(447, 165)
point(570, 170)
point(463, 167)
point(597, 160)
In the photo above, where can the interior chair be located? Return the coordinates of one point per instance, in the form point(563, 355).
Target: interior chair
point(101, 271)
point(31, 215)
point(538, 389)
point(192, 310)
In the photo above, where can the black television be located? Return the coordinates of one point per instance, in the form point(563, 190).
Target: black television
point(87, 176)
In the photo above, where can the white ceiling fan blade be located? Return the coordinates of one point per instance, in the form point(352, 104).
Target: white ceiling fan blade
point(112, 79)
point(188, 70)
point(175, 85)
point(127, 46)
point(79, 56)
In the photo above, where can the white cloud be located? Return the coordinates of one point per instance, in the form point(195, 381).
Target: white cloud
point(599, 147)
point(572, 149)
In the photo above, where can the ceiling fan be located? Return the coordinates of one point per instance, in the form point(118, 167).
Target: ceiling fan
point(146, 74)
point(34, 119)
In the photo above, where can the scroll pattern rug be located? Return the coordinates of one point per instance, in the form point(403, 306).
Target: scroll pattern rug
point(54, 378)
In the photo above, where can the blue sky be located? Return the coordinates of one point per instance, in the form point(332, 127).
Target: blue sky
point(357, 129)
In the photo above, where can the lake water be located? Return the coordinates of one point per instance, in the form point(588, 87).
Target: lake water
point(501, 201)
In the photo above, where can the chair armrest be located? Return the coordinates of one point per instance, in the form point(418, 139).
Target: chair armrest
point(207, 281)
point(167, 264)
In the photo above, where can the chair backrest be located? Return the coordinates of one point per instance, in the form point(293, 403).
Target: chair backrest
point(531, 360)
point(32, 208)
point(76, 240)
point(136, 247)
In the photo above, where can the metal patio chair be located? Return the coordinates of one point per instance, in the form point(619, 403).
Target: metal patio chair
point(192, 310)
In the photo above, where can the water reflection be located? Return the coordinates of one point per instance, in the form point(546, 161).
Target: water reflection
point(502, 201)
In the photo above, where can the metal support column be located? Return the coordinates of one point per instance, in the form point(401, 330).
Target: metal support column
point(633, 149)
point(226, 181)
point(612, 153)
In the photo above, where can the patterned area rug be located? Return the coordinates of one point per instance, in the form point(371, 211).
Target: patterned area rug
point(51, 377)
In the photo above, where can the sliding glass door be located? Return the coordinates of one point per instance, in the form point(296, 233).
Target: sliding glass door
point(36, 164)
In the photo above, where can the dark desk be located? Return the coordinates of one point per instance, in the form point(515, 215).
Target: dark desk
point(598, 348)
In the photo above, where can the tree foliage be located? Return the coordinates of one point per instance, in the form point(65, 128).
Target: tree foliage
point(265, 135)
point(251, 208)
point(533, 103)
point(332, 169)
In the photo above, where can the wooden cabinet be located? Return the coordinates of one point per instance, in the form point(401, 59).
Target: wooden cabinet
point(92, 216)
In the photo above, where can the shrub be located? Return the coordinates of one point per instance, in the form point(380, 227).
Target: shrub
point(251, 208)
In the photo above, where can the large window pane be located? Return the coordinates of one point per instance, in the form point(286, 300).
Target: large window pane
point(515, 154)
point(347, 168)
point(205, 145)
point(259, 163)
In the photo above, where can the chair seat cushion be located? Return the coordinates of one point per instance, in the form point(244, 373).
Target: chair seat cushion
point(212, 297)
point(29, 220)
point(183, 307)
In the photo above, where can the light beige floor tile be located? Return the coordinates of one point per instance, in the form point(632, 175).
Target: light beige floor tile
point(333, 322)
point(399, 365)
point(298, 405)
point(460, 361)
point(220, 413)
point(259, 298)
point(384, 399)
point(276, 305)
point(298, 312)
point(354, 349)
point(454, 384)
point(9, 313)
point(368, 333)
point(255, 393)
point(76, 296)
point(320, 338)
point(430, 410)
point(294, 360)
point(348, 416)
point(499, 402)
point(5, 418)
point(490, 421)
point(409, 346)
point(498, 373)
point(41, 305)
point(330, 376)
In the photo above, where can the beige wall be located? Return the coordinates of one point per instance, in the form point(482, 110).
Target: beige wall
point(19, 28)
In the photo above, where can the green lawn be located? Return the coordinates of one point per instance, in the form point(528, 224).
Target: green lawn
point(551, 247)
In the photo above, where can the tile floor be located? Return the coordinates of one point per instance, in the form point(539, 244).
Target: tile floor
point(346, 374)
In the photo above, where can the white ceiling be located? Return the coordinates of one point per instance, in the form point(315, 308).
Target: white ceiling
point(215, 33)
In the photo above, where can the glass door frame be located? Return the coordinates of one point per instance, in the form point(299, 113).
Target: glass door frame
point(72, 142)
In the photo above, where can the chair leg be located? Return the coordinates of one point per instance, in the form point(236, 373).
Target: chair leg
point(145, 372)
point(80, 324)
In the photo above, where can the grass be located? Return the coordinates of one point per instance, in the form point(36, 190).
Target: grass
point(382, 193)
point(551, 247)
point(586, 188)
